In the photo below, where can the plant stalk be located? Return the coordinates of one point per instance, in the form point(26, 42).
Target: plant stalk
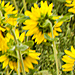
point(23, 69)
point(55, 55)
point(15, 4)
point(24, 4)
point(17, 51)
point(72, 72)
point(54, 48)
point(18, 61)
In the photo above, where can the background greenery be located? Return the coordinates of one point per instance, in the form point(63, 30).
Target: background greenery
point(46, 64)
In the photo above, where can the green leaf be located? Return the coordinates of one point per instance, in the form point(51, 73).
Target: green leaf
point(22, 19)
point(49, 38)
point(30, 43)
point(22, 47)
point(11, 15)
point(12, 48)
point(10, 43)
point(11, 53)
point(65, 17)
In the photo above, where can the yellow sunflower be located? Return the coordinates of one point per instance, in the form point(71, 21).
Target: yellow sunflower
point(17, 34)
point(71, 3)
point(31, 57)
point(36, 22)
point(6, 61)
point(28, 59)
point(9, 9)
point(69, 59)
point(2, 29)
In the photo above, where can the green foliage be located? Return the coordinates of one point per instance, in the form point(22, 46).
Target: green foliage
point(49, 38)
point(65, 17)
point(46, 59)
point(66, 39)
point(30, 43)
point(22, 47)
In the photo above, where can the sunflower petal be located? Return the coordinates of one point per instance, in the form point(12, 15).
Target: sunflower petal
point(17, 33)
point(11, 65)
point(5, 63)
point(66, 66)
point(3, 58)
point(21, 38)
point(73, 50)
point(69, 53)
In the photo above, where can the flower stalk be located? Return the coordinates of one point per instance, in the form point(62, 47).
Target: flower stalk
point(55, 55)
point(19, 56)
point(54, 48)
point(17, 51)
point(21, 59)
point(72, 72)
point(24, 4)
point(15, 4)
point(18, 61)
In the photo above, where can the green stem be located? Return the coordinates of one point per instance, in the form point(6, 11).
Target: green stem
point(15, 4)
point(54, 48)
point(18, 62)
point(13, 33)
point(7, 71)
point(10, 72)
point(17, 51)
point(55, 55)
point(72, 72)
point(23, 69)
point(2, 74)
point(21, 9)
point(24, 4)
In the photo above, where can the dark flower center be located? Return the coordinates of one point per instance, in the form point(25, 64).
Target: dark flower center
point(11, 58)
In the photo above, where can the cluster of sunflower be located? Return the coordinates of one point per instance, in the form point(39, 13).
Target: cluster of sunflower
point(41, 24)
point(13, 42)
point(38, 25)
